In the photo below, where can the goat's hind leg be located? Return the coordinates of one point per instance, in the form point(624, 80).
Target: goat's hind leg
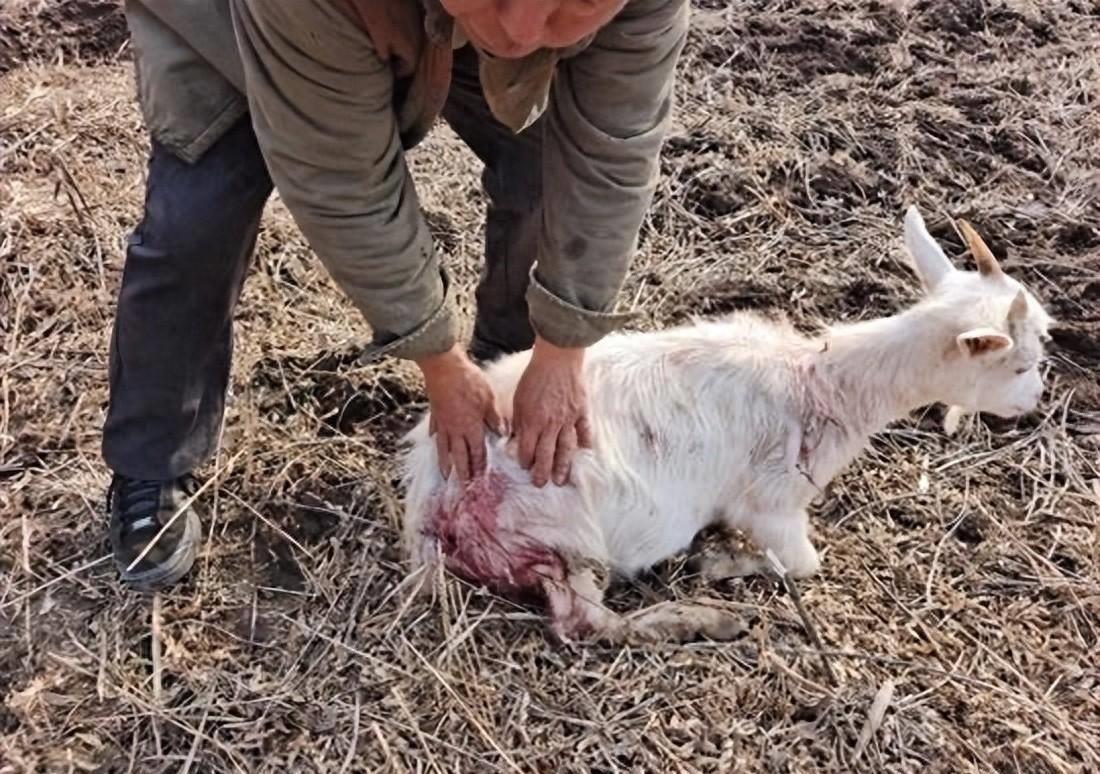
point(576, 604)
point(684, 622)
point(577, 612)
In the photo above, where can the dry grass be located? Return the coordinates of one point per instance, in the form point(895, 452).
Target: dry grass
point(959, 598)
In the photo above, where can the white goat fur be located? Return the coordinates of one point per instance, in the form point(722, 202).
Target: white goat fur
point(737, 422)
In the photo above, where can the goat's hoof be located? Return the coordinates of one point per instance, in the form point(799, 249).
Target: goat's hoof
point(715, 568)
point(805, 568)
point(725, 629)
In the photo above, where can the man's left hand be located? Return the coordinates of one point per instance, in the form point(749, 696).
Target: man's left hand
point(550, 412)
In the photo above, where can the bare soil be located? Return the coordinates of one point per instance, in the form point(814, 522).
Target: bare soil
point(959, 573)
point(72, 30)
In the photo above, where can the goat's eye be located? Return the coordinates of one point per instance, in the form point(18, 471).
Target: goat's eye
point(1022, 371)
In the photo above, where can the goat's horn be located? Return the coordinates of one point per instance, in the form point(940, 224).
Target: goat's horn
point(987, 263)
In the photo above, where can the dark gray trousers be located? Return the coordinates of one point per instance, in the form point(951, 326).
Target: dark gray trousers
point(187, 259)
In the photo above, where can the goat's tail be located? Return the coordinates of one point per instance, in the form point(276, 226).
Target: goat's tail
point(423, 485)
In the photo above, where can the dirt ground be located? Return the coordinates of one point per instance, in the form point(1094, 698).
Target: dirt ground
point(960, 577)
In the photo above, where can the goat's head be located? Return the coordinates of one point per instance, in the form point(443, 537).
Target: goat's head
point(993, 329)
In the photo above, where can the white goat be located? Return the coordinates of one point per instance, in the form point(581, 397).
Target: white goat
point(736, 423)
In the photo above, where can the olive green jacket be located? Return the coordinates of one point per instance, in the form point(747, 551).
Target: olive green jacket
point(338, 89)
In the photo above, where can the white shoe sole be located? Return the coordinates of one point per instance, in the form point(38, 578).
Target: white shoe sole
point(174, 567)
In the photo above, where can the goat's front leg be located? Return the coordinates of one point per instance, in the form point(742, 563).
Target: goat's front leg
point(726, 553)
point(788, 536)
point(720, 552)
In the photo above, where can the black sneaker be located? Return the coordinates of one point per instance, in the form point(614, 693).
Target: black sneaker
point(139, 511)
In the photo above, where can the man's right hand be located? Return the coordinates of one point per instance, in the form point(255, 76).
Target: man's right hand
point(462, 406)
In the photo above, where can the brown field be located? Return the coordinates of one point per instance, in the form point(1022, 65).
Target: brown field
point(962, 572)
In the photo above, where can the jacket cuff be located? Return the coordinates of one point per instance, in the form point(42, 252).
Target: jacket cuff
point(565, 325)
point(438, 333)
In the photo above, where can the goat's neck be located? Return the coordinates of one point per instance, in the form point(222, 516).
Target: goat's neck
point(871, 373)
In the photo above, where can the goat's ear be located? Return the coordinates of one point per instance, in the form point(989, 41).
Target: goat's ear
point(983, 341)
point(1018, 310)
point(927, 256)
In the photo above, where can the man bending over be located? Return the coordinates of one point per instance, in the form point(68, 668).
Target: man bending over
point(566, 103)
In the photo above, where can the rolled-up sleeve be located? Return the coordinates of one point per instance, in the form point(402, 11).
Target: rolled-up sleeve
point(321, 102)
point(609, 112)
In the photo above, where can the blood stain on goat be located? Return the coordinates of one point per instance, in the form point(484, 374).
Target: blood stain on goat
point(480, 546)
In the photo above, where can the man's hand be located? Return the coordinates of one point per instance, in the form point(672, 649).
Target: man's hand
point(462, 405)
point(550, 416)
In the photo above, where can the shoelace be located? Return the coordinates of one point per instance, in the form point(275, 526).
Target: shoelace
point(138, 502)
